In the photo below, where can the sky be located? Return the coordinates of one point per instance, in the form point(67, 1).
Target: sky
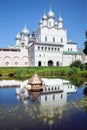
point(14, 14)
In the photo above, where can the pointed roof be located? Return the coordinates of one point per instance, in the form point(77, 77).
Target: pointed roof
point(25, 30)
point(35, 79)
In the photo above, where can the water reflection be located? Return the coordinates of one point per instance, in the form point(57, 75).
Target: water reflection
point(54, 92)
point(52, 99)
point(39, 109)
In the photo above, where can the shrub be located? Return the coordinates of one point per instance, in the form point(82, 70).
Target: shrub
point(77, 64)
point(74, 71)
point(84, 74)
point(11, 74)
point(0, 75)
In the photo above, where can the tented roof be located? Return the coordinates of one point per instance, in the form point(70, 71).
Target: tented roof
point(35, 79)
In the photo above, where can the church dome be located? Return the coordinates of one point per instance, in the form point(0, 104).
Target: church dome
point(44, 17)
point(25, 30)
point(60, 19)
point(51, 14)
point(40, 21)
point(18, 36)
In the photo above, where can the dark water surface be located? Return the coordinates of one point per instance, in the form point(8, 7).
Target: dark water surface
point(60, 107)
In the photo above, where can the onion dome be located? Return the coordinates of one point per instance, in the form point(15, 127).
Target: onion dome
point(44, 17)
point(40, 21)
point(25, 30)
point(60, 19)
point(18, 36)
point(51, 14)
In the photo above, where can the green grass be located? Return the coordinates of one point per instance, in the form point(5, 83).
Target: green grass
point(76, 75)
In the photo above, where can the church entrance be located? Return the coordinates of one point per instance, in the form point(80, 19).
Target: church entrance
point(50, 63)
point(39, 63)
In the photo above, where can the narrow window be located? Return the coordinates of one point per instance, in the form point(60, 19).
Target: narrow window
point(45, 48)
point(55, 49)
point(52, 48)
point(53, 39)
point(46, 39)
point(49, 48)
point(58, 49)
point(53, 97)
point(61, 40)
point(41, 48)
point(45, 98)
point(50, 24)
point(49, 89)
point(61, 96)
point(38, 48)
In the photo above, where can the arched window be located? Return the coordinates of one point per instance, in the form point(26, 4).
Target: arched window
point(16, 63)
point(26, 63)
point(7, 63)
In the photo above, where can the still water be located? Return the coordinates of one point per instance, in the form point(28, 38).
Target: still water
point(60, 106)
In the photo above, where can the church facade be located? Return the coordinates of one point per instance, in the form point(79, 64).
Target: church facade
point(48, 47)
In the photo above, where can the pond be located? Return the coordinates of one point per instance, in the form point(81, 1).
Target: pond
point(60, 105)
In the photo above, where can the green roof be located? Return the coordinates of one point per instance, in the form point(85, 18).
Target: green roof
point(72, 53)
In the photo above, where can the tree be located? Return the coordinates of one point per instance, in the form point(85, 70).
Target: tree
point(77, 64)
point(85, 44)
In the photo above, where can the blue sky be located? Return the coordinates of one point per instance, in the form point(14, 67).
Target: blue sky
point(15, 13)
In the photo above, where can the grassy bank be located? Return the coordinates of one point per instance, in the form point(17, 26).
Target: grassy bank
point(76, 75)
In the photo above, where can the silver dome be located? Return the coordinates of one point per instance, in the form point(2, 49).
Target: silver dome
point(51, 14)
point(40, 21)
point(44, 17)
point(18, 36)
point(60, 19)
point(25, 30)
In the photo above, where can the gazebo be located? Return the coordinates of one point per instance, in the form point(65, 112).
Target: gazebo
point(36, 82)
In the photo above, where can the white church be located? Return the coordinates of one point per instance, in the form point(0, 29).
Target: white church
point(49, 46)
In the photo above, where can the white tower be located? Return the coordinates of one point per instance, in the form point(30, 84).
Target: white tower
point(60, 22)
point(25, 34)
point(44, 20)
point(18, 39)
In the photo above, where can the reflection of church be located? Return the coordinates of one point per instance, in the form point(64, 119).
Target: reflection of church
point(51, 100)
point(48, 47)
point(54, 93)
point(46, 105)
